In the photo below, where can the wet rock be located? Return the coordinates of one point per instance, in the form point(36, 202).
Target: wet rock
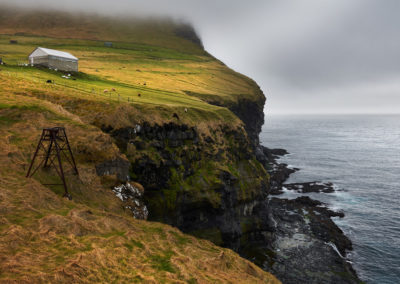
point(304, 245)
point(307, 187)
point(279, 172)
point(278, 152)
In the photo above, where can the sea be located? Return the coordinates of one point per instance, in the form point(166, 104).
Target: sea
point(360, 155)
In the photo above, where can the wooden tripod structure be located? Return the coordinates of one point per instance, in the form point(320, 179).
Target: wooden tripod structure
point(53, 144)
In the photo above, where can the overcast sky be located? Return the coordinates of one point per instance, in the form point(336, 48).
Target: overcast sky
point(308, 56)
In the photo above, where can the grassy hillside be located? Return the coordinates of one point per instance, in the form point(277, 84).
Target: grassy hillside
point(143, 52)
point(46, 238)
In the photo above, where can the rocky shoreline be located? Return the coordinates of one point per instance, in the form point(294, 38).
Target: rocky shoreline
point(302, 243)
point(296, 240)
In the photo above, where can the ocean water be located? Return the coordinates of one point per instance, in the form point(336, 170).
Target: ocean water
point(360, 154)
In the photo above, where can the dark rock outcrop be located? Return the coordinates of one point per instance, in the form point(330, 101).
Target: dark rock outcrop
point(118, 166)
point(185, 185)
point(307, 187)
point(303, 244)
point(279, 172)
point(251, 113)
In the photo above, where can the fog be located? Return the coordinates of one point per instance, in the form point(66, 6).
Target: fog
point(308, 56)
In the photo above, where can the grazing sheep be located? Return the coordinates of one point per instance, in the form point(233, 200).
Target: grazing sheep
point(113, 89)
point(105, 91)
point(185, 109)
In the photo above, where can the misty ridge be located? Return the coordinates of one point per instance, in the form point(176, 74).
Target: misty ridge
point(75, 14)
point(85, 23)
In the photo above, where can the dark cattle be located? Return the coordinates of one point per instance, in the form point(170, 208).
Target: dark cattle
point(176, 116)
point(139, 95)
point(49, 81)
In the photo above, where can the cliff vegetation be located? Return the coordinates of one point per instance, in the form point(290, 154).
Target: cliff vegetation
point(154, 108)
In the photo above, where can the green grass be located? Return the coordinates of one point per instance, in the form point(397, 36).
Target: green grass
point(133, 243)
point(92, 88)
point(7, 121)
point(180, 239)
point(162, 262)
point(175, 78)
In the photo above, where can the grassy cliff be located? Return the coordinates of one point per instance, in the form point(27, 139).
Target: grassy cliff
point(155, 69)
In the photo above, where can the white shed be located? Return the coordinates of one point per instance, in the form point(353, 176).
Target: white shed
point(53, 59)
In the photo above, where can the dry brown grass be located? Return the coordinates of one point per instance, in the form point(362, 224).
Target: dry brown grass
point(91, 239)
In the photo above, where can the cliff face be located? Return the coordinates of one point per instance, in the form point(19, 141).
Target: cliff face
point(251, 113)
point(211, 186)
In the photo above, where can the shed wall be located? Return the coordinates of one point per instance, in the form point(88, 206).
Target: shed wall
point(39, 61)
point(66, 65)
point(54, 63)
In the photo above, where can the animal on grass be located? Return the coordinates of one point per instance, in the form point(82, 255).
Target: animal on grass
point(113, 89)
point(139, 95)
point(49, 81)
point(105, 91)
point(175, 115)
point(185, 109)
